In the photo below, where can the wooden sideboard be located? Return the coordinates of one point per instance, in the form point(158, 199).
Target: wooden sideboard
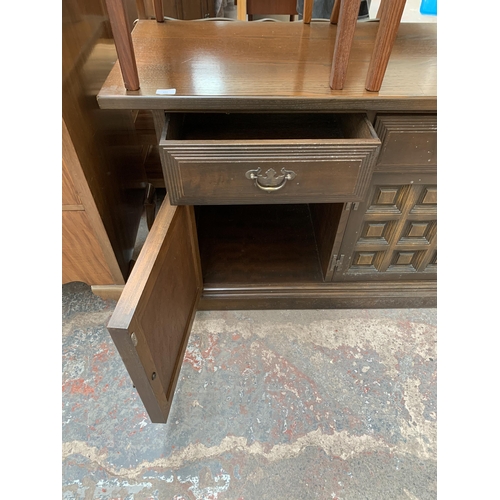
point(281, 193)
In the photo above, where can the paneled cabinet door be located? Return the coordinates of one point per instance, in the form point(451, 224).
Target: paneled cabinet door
point(393, 235)
point(151, 322)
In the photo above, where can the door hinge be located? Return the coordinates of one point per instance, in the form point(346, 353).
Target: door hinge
point(336, 263)
point(351, 206)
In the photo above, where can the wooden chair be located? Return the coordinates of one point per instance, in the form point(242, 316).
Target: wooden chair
point(345, 15)
point(265, 7)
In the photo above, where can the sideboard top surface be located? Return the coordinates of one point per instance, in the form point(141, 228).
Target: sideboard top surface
point(247, 66)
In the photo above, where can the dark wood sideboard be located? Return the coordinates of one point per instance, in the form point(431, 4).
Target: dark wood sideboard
point(281, 193)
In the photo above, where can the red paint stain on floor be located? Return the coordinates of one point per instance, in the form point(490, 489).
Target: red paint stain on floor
point(77, 386)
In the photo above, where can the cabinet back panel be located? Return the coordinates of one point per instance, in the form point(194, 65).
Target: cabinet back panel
point(257, 244)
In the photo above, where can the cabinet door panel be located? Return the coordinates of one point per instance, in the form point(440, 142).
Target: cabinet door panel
point(393, 235)
point(151, 323)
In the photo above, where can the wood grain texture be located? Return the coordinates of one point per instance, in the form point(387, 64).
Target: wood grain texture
point(348, 18)
point(158, 7)
point(108, 292)
point(216, 65)
point(408, 142)
point(158, 305)
point(390, 17)
point(398, 294)
point(328, 169)
point(93, 253)
point(307, 11)
point(393, 234)
point(82, 255)
point(69, 193)
point(329, 222)
point(334, 17)
point(257, 244)
point(123, 43)
point(103, 144)
point(141, 9)
point(273, 7)
point(241, 10)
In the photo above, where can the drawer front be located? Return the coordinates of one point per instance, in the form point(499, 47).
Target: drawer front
point(407, 141)
point(269, 171)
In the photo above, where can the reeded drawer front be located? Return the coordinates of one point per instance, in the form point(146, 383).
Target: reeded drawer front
point(267, 158)
point(407, 141)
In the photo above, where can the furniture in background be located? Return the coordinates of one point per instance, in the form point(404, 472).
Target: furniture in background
point(103, 179)
point(271, 7)
point(177, 9)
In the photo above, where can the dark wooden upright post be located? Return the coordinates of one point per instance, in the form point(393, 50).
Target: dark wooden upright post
point(390, 17)
point(158, 6)
point(308, 10)
point(348, 17)
point(123, 43)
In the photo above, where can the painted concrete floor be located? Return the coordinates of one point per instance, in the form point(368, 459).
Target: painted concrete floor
point(321, 404)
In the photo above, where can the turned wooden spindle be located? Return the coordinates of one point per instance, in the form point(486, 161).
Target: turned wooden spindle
point(390, 13)
point(158, 6)
point(348, 17)
point(308, 10)
point(123, 43)
point(141, 9)
point(334, 18)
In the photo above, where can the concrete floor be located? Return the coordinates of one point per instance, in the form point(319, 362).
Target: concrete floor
point(324, 404)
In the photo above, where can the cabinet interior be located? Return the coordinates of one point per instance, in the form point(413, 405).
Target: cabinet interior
point(266, 244)
point(266, 126)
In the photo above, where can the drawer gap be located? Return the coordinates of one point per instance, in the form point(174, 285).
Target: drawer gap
point(267, 126)
point(234, 126)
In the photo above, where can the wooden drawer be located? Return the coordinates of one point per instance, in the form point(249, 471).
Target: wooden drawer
point(218, 158)
point(407, 141)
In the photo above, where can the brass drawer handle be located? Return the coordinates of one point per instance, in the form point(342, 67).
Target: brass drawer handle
point(270, 182)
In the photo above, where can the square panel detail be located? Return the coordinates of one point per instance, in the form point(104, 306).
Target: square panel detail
point(418, 233)
point(366, 262)
point(427, 201)
point(388, 199)
point(405, 262)
point(375, 230)
point(417, 229)
point(364, 259)
point(430, 196)
point(386, 196)
point(376, 233)
point(432, 265)
point(404, 258)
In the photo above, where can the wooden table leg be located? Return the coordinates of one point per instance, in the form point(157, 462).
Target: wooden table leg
point(308, 10)
point(123, 43)
point(390, 17)
point(348, 17)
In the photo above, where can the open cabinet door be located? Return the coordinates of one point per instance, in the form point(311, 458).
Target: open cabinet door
point(152, 320)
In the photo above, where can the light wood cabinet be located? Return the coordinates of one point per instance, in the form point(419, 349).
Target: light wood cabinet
point(103, 178)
